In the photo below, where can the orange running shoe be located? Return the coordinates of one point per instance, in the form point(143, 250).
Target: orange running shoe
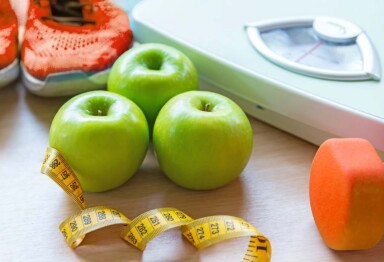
point(70, 45)
point(9, 68)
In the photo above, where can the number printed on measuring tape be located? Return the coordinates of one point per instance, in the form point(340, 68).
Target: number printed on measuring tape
point(201, 233)
point(151, 223)
point(77, 226)
point(55, 166)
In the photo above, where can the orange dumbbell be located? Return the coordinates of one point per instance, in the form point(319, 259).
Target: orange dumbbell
point(347, 193)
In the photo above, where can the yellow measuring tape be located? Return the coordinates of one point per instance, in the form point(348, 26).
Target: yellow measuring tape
point(201, 232)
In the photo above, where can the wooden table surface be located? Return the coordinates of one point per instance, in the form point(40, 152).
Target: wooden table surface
point(271, 194)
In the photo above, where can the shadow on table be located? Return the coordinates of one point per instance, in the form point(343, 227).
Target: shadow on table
point(160, 191)
point(105, 245)
point(9, 109)
point(43, 108)
point(372, 255)
point(149, 188)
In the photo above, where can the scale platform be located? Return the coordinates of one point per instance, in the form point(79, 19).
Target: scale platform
point(213, 34)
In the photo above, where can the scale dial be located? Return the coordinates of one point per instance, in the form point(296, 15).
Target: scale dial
point(322, 47)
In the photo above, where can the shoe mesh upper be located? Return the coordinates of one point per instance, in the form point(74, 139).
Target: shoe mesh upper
point(52, 47)
point(8, 34)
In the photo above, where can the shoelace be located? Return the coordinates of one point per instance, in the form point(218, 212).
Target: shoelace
point(68, 12)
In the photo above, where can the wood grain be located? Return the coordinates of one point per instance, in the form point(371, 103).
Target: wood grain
point(271, 194)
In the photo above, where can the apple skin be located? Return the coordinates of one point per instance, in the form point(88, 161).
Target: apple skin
point(151, 74)
point(103, 150)
point(200, 149)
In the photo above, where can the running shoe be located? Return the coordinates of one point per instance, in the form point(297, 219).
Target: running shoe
point(70, 45)
point(9, 67)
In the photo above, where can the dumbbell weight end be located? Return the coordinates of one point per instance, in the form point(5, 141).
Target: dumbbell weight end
point(347, 193)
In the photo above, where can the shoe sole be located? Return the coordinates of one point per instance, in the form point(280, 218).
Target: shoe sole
point(66, 83)
point(9, 73)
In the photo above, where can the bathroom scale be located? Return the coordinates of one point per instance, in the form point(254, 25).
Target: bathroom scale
point(311, 68)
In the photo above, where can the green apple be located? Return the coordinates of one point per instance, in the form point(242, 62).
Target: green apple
point(103, 137)
point(150, 74)
point(202, 140)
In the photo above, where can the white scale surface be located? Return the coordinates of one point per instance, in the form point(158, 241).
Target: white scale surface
point(211, 33)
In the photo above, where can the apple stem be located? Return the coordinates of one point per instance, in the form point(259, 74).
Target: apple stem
point(207, 107)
